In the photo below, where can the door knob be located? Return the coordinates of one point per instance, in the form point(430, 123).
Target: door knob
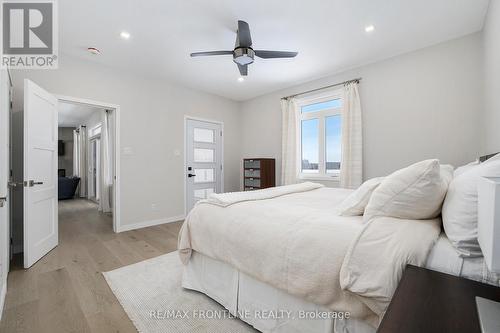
point(33, 183)
point(191, 175)
point(2, 201)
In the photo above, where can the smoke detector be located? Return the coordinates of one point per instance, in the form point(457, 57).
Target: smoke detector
point(94, 50)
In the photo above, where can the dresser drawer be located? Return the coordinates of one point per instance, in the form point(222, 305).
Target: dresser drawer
point(251, 164)
point(252, 173)
point(252, 182)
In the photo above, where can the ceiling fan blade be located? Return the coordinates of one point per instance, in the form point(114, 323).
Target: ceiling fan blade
point(244, 38)
point(274, 54)
point(210, 53)
point(243, 69)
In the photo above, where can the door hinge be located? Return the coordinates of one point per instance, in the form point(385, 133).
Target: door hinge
point(220, 133)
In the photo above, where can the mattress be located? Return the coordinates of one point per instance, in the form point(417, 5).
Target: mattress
point(444, 258)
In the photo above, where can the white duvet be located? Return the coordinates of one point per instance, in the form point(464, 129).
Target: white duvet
point(298, 243)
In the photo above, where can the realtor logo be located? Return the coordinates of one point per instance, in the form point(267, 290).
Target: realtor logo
point(29, 34)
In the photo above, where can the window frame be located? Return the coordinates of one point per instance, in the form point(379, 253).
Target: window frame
point(321, 116)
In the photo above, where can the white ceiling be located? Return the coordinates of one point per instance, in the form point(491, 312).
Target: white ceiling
point(328, 34)
point(73, 115)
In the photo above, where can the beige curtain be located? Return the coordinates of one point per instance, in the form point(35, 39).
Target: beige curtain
point(289, 142)
point(80, 159)
point(351, 166)
point(106, 166)
point(76, 153)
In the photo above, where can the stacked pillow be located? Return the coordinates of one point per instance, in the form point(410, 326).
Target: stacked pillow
point(423, 191)
point(460, 206)
point(415, 192)
point(355, 203)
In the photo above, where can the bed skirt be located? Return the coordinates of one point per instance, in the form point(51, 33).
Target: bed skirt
point(262, 306)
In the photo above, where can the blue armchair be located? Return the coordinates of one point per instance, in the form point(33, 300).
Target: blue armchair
point(67, 187)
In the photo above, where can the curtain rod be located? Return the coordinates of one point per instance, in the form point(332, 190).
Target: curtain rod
point(317, 89)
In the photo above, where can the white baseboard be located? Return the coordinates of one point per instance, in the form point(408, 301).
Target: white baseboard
point(3, 293)
point(150, 223)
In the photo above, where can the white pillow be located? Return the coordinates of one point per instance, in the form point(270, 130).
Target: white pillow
point(460, 208)
point(415, 192)
point(355, 203)
point(464, 168)
point(493, 158)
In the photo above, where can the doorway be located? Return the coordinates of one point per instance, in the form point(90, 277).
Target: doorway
point(45, 162)
point(203, 160)
point(97, 155)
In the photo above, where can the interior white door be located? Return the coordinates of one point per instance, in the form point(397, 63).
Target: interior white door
point(203, 160)
point(40, 173)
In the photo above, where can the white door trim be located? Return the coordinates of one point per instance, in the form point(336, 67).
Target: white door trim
point(116, 189)
point(186, 118)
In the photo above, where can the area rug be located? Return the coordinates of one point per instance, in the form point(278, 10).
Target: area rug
point(150, 292)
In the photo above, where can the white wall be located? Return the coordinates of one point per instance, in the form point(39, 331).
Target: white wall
point(491, 40)
point(423, 104)
point(152, 120)
point(4, 191)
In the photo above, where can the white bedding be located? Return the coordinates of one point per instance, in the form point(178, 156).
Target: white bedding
point(444, 258)
point(231, 198)
point(298, 243)
point(247, 298)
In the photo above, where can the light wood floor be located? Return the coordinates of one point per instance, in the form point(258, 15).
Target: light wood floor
point(65, 291)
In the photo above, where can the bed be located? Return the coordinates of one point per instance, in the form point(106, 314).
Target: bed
point(279, 263)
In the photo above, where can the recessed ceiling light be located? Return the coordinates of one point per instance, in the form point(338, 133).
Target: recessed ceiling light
point(124, 35)
point(94, 50)
point(369, 28)
point(241, 79)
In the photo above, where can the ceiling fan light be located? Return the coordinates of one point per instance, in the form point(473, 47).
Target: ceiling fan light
point(243, 56)
point(243, 60)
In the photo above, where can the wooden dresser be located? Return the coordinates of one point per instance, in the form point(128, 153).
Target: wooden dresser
point(259, 173)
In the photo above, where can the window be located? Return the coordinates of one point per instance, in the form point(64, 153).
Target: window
point(320, 136)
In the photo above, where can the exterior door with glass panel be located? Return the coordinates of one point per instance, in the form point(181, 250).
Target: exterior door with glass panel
point(203, 160)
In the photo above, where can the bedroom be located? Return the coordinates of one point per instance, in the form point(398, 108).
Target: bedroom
point(426, 86)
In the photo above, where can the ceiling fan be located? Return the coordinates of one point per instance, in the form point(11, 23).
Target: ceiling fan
point(243, 53)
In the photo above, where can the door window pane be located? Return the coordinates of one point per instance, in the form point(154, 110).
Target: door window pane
point(203, 175)
point(204, 155)
point(203, 193)
point(333, 130)
point(310, 145)
point(203, 135)
point(332, 104)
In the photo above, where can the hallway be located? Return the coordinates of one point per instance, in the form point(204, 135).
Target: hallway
point(65, 291)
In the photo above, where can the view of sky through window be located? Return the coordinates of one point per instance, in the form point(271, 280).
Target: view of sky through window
point(311, 137)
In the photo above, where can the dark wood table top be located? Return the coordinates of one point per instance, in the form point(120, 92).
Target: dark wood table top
point(429, 301)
